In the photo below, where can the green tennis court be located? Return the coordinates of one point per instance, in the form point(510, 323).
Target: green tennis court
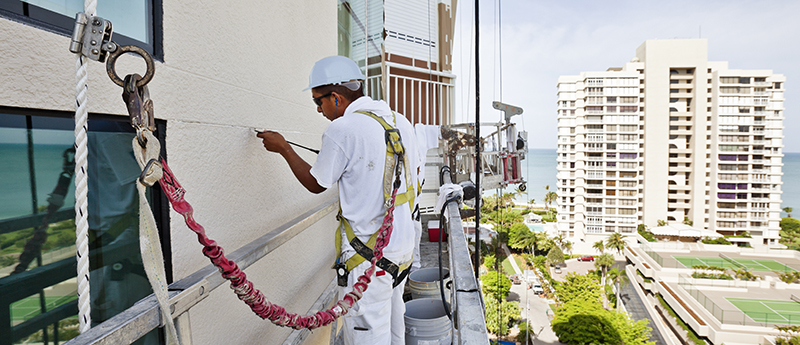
point(29, 307)
point(769, 311)
point(751, 264)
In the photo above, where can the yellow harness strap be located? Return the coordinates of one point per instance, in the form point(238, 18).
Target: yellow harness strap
point(394, 148)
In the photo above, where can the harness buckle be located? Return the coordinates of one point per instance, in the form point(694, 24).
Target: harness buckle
point(394, 142)
point(341, 272)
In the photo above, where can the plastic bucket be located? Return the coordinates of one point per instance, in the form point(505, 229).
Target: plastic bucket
point(424, 283)
point(427, 323)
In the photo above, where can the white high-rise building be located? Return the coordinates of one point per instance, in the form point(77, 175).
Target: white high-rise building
point(672, 137)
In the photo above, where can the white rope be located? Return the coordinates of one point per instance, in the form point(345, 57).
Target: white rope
point(81, 184)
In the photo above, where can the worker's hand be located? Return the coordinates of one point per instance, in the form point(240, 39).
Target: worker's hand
point(273, 141)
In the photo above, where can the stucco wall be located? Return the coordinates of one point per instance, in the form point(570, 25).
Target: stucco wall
point(228, 67)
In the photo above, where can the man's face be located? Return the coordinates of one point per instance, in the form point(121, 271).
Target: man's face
point(326, 104)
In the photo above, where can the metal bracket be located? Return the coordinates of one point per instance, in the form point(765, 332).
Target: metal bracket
point(508, 109)
point(91, 37)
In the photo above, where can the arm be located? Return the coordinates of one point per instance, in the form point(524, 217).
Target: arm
point(274, 142)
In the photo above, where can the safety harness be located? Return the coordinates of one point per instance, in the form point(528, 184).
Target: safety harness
point(395, 157)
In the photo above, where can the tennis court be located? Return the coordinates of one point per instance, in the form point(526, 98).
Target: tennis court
point(29, 307)
point(769, 311)
point(760, 265)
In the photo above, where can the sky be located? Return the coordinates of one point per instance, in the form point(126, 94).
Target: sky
point(537, 41)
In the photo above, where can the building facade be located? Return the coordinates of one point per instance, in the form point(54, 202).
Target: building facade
point(671, 137)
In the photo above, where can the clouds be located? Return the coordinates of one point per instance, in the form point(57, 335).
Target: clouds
point(542, 40)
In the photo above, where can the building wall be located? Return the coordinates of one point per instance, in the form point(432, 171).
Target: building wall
point(228, 67)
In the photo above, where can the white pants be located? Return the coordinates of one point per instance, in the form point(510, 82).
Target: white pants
point(415, 265)
point(377, 318)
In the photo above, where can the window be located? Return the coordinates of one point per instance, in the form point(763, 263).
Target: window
point(673, 100)
point(135, 22)
point(673, 90)
point(117, 278)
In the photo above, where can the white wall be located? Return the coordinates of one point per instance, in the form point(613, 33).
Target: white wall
point(227, 66)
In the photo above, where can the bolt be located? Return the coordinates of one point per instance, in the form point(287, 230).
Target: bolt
point(94, 31)
point(95, 51)
point(94, 42)
point(96, 22)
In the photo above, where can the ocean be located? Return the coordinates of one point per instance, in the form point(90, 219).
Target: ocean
point(539, 170)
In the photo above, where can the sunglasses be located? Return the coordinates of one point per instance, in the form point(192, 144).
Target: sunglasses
point(318, 100)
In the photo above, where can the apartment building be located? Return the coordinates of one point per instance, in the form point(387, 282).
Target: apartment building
point(670, 136)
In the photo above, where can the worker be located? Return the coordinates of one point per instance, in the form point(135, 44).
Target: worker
point(354, 154)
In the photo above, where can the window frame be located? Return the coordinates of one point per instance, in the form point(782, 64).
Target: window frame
point(25, 13)
point(159, 203)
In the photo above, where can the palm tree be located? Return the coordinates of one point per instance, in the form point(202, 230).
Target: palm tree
point(788, 211)
point(507, 199)
point(526, 240)
point(559, 240)
point(619, 279)
point(568, 247)
point(548, 198)
point(599, 246)
point(617, 242)
point(603, 263)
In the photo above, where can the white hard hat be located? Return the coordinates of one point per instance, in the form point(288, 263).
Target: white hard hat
point(333, 70)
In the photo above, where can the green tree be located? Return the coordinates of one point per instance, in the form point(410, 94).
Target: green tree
point(661, 222)
point(524, 333)
point(489, 261)
point(548, 198)
point(555, 256)
point(496, 284)
point(599, 246)
point(788, 211)
point(586, 322)
point(618, 278)
point(790, 226)
point(576, 286)
point(616, 242)
point(604, 263)
point(500, 315)
point(790, 232)
point(517, 236)
point(687, 221)
point(568, 247)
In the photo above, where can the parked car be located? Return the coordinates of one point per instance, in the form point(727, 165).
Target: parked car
point(558, 270)
point(537, 289)
point(586, 258)
point(515, 279)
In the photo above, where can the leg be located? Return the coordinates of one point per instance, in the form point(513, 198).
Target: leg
point(370, 319)
point(398, 311)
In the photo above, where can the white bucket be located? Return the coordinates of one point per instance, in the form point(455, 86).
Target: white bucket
point(427, 322)
point(424, 283)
